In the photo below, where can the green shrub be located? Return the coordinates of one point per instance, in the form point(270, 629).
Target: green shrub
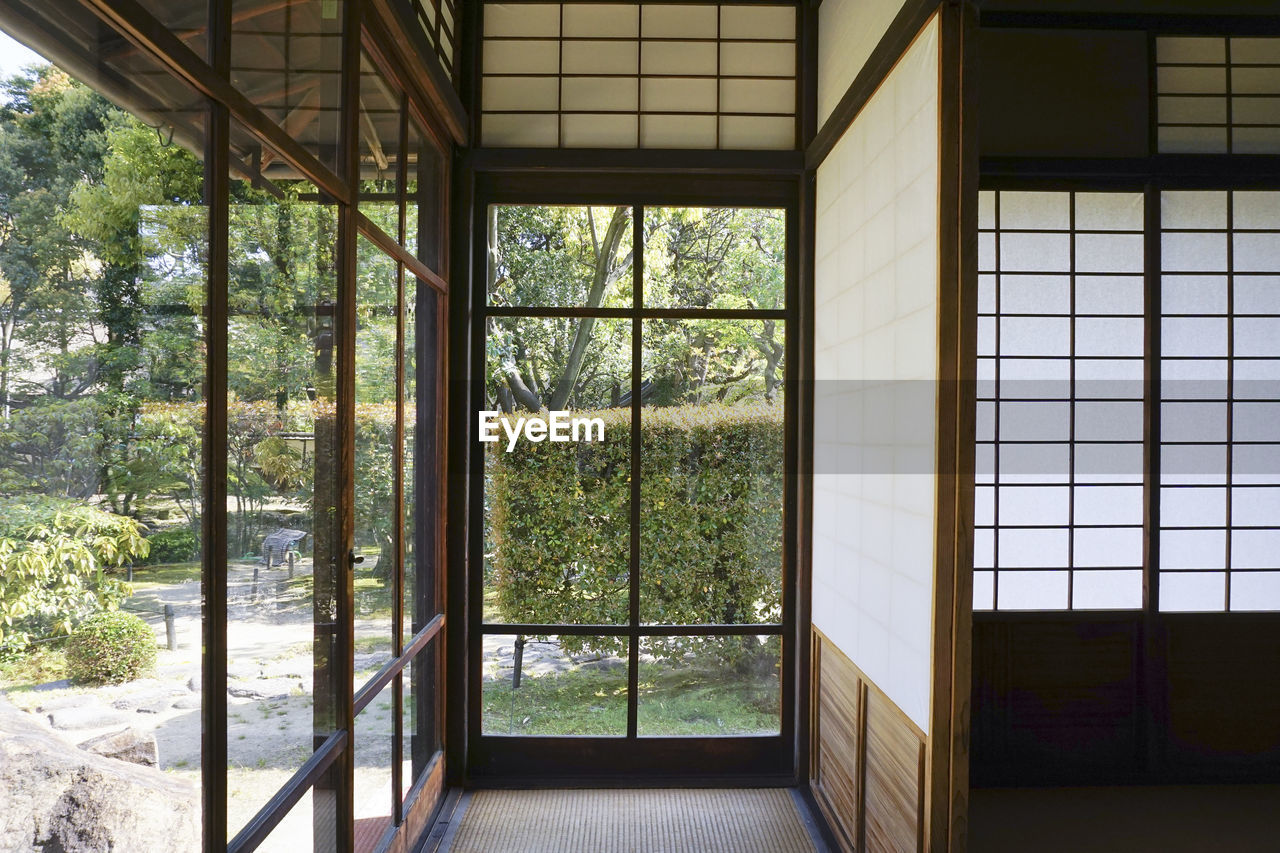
point(111, 648)
point(174, 545)
point(711, 485)
point(55, 557)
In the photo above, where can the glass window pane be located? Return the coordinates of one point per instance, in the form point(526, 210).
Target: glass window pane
point(285, 558)
point(714, 257)
point(712, 472)
point(425, 212)
point(558, 516)
point(287, 59)
point(380, 116)
point(542, 255)
point(554, 685)
point(377, 529)
point(706, 686)
point(373, 742)
point(423, 718)
point(104, 285)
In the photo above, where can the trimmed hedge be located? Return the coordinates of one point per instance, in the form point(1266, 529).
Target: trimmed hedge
point(111, 648)
point(711, 522)
point(174, 545)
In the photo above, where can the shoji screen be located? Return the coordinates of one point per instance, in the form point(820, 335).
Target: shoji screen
point(875, 352)
point(848, 31)
point(639, 75)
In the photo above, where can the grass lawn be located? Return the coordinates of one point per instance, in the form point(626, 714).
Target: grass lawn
point(672, 701)
point(38, 665)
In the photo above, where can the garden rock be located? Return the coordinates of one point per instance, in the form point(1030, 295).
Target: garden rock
point(188, 703)
point(89, 717)
point(150, 702)
point(131, 745)
point(60, 798)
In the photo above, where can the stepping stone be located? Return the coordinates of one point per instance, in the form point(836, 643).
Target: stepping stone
point(150, 702)
point(187, 703)
point(90, 717)
point(264, 688)
point(58, 703)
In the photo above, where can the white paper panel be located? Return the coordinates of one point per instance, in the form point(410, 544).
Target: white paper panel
point(876, 319)
point(1192, 140)
point(1252, 209)
point(535, 131)
point(848, 31)
point(758, 60)
point(757, 132)
point(1042, 211)
point(600, 20)
point(1033, 591)
point(1176, 109)
point(1193, 549)
point(1255, 591)
point(1193, 507)
point(600, 94)
point(1109, 211)
point(1191, 49)
point(674, 57)
point(1191, 81)
point(672, 21)
point(660, 95)
point(758, 96)
point(602, 57)
point(757, 22)
point(1107, 590)
point(1255, 140)
point(1109, 294)
point(984, 590)
point(599, 131)
point(521, 19)
point(1101, 547)
point(521, 57)
point(1255, 549)
point(1256, 507)
point(521, 93)
point(1255, 51)
point(677, 131)
point(1192, 591)
point(1108, 505)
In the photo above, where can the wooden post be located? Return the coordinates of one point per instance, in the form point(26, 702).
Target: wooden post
point(170, 630)
point(517, 663)
point(290, 564)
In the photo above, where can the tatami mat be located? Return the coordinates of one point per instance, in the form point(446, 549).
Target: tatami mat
point(760, 820)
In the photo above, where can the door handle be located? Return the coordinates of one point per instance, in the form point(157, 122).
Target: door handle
point(353, 559)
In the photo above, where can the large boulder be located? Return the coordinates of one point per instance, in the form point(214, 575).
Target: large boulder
point(60, 799)
point(132, 745)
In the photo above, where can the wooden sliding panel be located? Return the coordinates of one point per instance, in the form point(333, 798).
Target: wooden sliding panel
point(891, 500)
point(837, 736)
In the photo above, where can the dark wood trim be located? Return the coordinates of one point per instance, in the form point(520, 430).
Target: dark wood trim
point(678, 762)
point(1189, 171)
point(965, 315)
point(612, 161)
point(625, 630)
point(1164, 23)
point(375, 685)
point(419, 70)
point(803, 304)
point(213, 520)
point(345, 336)
point(895, 42)
point(386, 243)
point(629, 757)
point(258, 829)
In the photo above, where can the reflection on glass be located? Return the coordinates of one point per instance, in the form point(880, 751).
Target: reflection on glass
point(703, 686)
point(380, 115)
point(103, 290)
point(374, 744)
point(376, 530)
point(424, 191)
point(554, 685)
point(711, 481)
point(714, 257)
point(287, 59)
point(560, 256)
point(557, 527)
point(422, 716)
point(283, 558)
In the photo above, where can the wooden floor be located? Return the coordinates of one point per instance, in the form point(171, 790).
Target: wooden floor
point(761, 820)
point(1172, 819)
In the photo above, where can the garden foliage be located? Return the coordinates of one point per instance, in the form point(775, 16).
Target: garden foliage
point(111, 648)
point(711, 522)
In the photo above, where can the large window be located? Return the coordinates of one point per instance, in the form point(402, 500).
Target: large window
point(634, 585)
point(1127, 428)
point(221, 375)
